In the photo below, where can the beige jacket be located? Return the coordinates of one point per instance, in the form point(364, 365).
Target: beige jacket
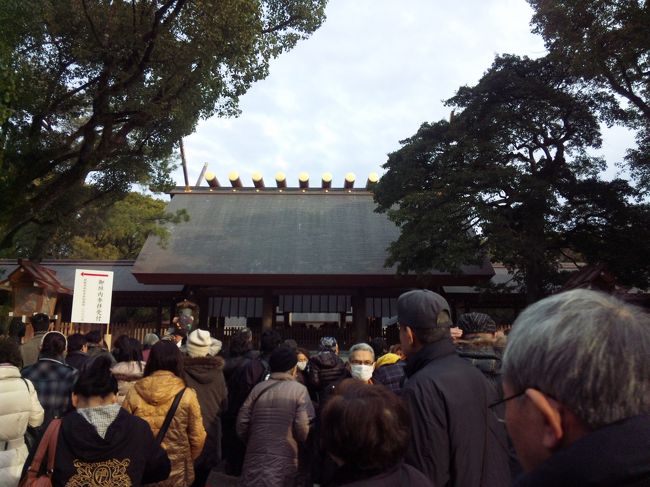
point(150, 398)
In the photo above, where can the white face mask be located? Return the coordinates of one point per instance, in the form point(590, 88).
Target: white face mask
point(362, 372)
point(302, 364)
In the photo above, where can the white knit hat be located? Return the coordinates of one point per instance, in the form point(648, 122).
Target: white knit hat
point(215, 347)
point(198, 343)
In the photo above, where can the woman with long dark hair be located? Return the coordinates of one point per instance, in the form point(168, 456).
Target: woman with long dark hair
point(152, 397)
point(129, 367)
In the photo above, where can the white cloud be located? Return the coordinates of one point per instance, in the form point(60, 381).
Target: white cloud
point(341, 100)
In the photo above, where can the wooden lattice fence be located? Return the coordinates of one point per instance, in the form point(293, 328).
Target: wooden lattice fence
point(133, 330)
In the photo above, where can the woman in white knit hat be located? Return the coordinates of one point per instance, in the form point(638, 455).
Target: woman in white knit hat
point(204, 373)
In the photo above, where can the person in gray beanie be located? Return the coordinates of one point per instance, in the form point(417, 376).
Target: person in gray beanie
point(204, 373)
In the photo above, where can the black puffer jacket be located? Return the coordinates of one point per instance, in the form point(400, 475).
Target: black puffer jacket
point(241, 374)
point(323, 370)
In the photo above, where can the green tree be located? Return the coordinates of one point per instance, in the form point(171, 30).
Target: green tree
point(500, 179)
point(105, 90)
point(606, 45)
point(117, 231)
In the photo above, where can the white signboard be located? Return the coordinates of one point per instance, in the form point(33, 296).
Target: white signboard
point(91, 301)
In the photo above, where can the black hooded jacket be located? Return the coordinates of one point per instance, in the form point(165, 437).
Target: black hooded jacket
point(127, 455)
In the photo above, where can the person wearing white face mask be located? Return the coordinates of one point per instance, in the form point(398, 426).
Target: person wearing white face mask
point(362, 362)
point(301, 371)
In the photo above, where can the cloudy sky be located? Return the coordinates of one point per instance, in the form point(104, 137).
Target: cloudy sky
point(340, 101)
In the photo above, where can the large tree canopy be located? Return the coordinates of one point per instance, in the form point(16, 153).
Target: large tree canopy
point(105, 89)
point(116, 232)
point(603, 41)
point(508, 177)
point(607, 45)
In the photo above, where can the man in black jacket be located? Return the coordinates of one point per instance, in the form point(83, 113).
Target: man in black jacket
point(575, 376)
point(456, 441)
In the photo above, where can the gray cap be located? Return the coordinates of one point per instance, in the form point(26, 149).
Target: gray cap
point(423, 309)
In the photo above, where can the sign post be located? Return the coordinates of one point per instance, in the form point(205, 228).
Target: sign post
point(91, 301)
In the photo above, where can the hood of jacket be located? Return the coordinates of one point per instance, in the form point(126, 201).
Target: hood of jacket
point(202, 369)
point(482, 356)
point(159, 388)
point(128, 371)
point(326, 359)
point(83, 441)
point(9, 372)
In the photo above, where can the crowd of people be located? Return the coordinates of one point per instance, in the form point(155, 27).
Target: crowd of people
point(563, 400)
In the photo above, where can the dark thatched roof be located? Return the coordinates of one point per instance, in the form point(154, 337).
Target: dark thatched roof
point(246, 237)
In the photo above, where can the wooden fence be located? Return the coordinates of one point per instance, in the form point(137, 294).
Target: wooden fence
point(133, 330)
point(308, 337)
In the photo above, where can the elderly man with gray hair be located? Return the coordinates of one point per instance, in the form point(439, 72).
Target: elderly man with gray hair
point(577, 391)
point(362, 362)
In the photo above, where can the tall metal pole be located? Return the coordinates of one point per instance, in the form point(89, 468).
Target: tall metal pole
point(198, 181)
point(184, 162)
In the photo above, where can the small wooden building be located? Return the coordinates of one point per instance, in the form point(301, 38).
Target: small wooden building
point(34, 289)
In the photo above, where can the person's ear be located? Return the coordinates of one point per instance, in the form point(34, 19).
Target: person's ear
point(410, 336)
point(550, 411)
point(74, 400)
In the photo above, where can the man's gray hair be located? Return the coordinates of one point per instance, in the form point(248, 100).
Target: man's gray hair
point(586, 349)
point(363, 346)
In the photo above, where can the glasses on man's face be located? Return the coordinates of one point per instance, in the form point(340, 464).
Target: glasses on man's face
point(506, 399)
point(494, 407)
point(361, 362)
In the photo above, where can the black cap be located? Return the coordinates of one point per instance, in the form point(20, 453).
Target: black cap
point(282, 359)
point(423, 309)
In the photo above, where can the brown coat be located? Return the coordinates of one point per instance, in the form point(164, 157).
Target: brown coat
point(150, 398)
point(273, 423)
